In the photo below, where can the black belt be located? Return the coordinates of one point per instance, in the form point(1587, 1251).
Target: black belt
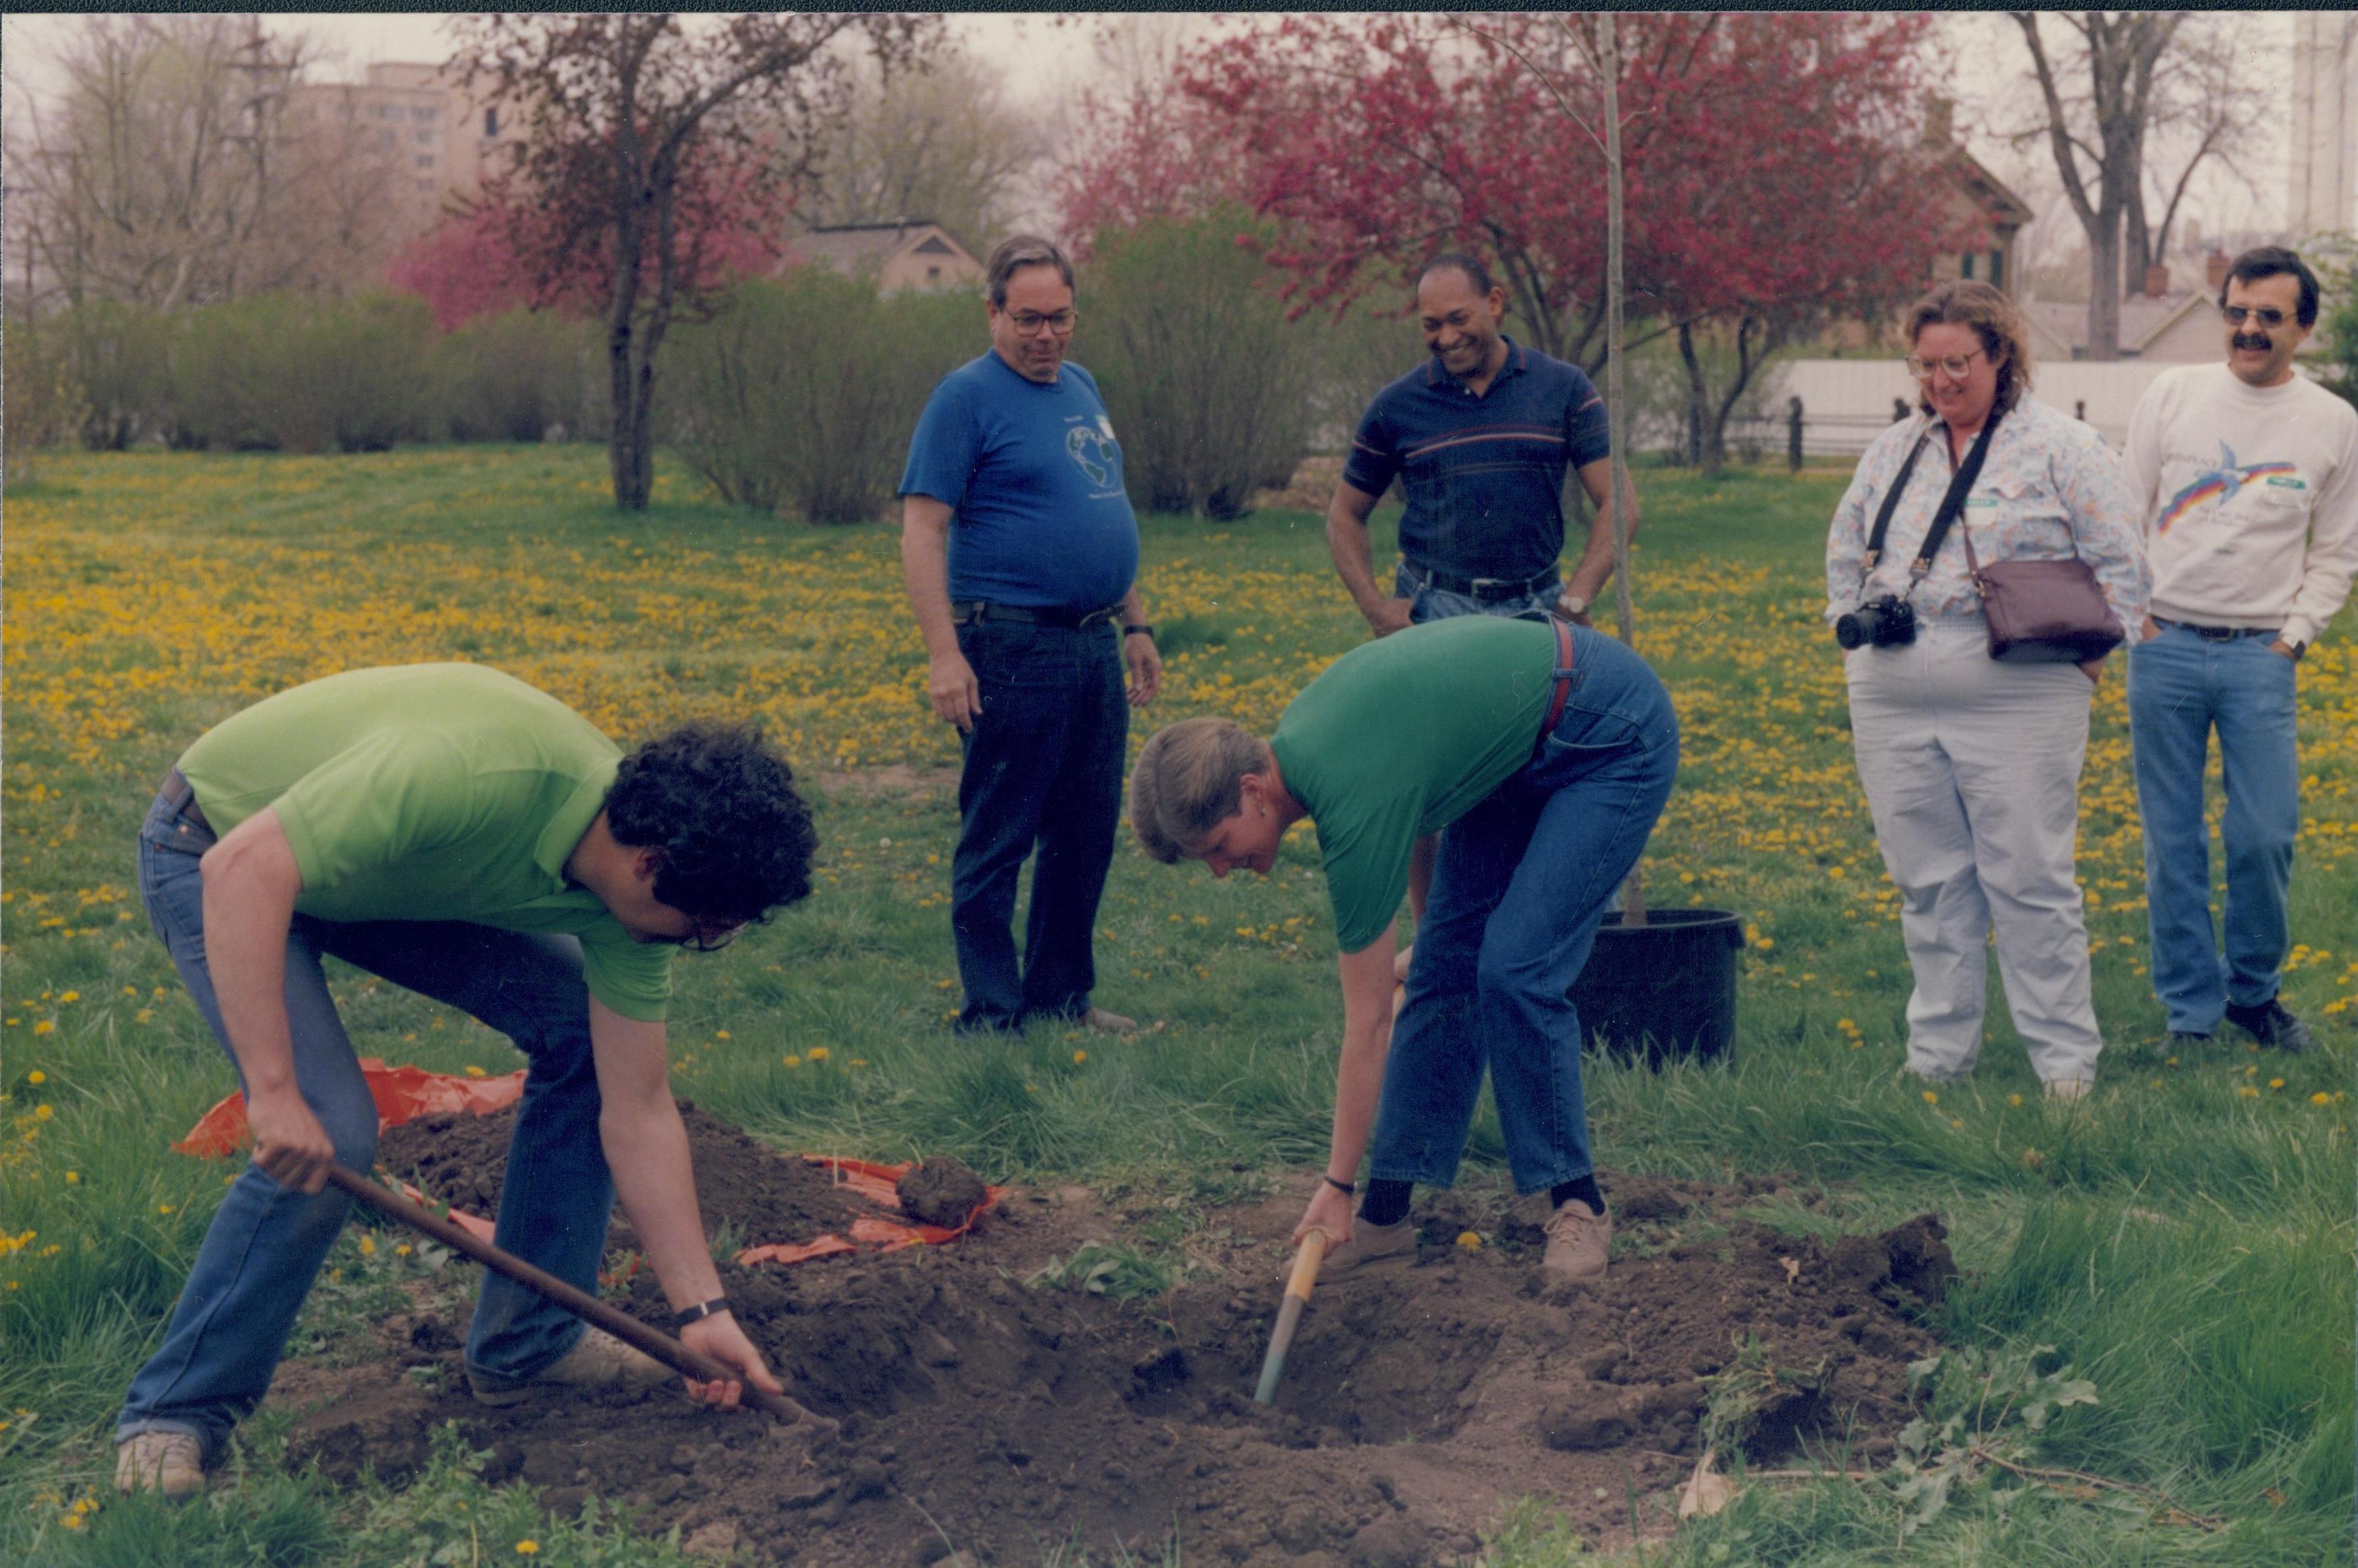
point(2219, 633)
point(182, 799)
point(977, 610)
point(1488, 588)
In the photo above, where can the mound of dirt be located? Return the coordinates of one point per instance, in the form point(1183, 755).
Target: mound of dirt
point(744, 1187)
point(940, 1191)
point(1009, 1423)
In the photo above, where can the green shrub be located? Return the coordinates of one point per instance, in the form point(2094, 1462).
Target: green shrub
point(282, 373)
point(517, 375)
point(121, 362)
point(43, 404)
point(1212, 391)
point(800, 395)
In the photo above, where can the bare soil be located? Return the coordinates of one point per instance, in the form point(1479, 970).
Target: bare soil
point(1006, 1421)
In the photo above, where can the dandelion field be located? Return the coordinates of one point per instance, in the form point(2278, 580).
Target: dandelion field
point(2183, 1241)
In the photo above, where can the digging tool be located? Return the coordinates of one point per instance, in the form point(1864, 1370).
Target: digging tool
point(1289, 1313)
point(579, 1302)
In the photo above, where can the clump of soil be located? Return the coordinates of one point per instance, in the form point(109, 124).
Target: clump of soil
point(940, 1191)
point(1009, 1423)
point(744, 1187)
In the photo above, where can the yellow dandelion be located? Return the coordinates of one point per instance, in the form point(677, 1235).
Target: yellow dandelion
point(37, 1077)
point(1931, 1098)
point(2321, 1097)
point(166, 1208)
point(1470, 1240)
point(368, 1246)
point(2014, 1100)
point(2275, 1083)
point(1079, 1057)
point(45, 1026)
point(72, 1177)
point(527, 1548)
point(722, 1034)
point(69, 996)
point(792, 1061)
point(819, 1052)
point(857, 1061)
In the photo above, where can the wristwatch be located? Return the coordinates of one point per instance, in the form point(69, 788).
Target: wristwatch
point(1573, 604)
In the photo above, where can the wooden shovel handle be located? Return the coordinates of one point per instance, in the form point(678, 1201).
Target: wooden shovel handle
point(579, 1302)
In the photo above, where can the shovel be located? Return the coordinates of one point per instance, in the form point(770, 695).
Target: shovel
point(579, 1302)
point(1289, 1313)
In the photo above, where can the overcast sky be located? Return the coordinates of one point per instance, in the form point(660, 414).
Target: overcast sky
point(1047, 62)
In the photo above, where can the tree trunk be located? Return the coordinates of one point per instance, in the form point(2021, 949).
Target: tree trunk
point(1698, 454)
point(1633, 890)
point(2105, 284)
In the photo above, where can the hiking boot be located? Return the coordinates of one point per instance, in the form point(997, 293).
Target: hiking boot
point(2068, 1091)
point(1370, 1245)
point(169, 1463)
point(2271, 1024)
point(1578, 1237)
point(598, 1361)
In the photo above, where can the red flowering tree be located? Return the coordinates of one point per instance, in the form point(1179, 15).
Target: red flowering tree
point(654, 157)
point(1772, 172)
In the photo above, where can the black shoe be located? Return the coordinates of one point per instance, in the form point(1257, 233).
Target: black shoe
point(2270, 1024)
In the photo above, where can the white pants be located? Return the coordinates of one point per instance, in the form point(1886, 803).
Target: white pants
point(1972, 770)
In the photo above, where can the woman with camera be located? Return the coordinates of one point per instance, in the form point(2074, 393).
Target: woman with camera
point(1969, 716)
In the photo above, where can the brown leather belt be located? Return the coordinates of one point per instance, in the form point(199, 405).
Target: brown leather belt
point(183, 800)
point(1562, 681)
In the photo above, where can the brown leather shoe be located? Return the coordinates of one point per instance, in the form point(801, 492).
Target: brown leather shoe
point(1578, 1237)
point(1105, 1022)
point(1369, 1246)
point(598, 1360)
point(169, 1463)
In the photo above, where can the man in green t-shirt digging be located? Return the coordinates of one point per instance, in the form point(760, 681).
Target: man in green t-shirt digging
point(466, 837)
point(1546, 751)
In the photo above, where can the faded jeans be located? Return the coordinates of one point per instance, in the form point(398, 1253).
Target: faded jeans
point(1524, 880)
point(267, 1242)
point(2180, 688)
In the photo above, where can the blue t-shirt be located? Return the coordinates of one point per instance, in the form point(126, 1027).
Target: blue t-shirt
point(1484, 475)
point(1032, 477)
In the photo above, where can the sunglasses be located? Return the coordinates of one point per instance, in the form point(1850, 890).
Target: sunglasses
point(2267, 316)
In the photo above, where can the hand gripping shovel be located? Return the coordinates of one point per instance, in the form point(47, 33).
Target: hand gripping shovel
point(579, 1302)
point(1289, 1313)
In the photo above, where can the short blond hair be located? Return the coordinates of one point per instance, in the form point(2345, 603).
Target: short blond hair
point(1190, 778)
point(1994, 319)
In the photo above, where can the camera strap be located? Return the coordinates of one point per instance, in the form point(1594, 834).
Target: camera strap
point(1952, 503)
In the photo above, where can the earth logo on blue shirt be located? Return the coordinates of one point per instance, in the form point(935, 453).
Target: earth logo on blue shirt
point(1092, 450)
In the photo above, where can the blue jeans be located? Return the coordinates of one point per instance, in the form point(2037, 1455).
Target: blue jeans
point(1043, 770)
point(2180, 688)
point(1426, 603)
point(267, 1242)
point(1524, 880)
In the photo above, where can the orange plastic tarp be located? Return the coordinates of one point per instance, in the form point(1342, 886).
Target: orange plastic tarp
point(404, 1092)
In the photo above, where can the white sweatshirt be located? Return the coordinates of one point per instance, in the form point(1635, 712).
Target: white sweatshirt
point(2250, 499)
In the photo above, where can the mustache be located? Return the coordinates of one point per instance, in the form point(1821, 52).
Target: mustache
point(2252, 340)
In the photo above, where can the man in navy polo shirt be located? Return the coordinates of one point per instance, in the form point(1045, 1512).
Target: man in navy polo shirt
point(1479, 437)
point(1021, 553)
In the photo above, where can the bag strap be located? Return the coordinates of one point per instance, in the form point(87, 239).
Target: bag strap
point(1953, 502)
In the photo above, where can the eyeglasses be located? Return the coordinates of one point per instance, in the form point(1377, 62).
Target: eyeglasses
point(710, 938)
point(1954, 366)
point(2268, 316)
point(1027, 323)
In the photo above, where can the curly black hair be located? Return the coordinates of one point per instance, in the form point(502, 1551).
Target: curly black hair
point(718, 803)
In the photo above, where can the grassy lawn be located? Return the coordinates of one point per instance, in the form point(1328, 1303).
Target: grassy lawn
point(2184, 1241)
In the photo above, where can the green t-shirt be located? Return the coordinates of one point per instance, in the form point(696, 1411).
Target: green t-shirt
point(1403, 736)
point(433, 791)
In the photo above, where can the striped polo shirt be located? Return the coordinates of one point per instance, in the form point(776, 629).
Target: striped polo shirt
point(1484, 474)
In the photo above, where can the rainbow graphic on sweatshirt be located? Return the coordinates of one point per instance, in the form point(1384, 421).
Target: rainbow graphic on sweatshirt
point(2219, 484)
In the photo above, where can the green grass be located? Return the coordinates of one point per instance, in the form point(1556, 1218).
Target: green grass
point(2185, 1245)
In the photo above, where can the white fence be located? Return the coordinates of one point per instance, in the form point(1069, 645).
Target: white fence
point(1846, 403)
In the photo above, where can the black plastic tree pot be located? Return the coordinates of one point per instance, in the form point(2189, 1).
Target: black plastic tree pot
point(1666, 987)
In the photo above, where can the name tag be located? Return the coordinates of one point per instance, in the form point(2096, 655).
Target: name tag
point(1981, 503)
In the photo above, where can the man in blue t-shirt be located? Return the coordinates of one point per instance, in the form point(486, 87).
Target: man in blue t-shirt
point(1021, 553)
point(1479, 437)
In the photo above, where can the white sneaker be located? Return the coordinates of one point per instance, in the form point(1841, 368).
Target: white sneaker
point(2066, 1091)
point(598, 1360)
point(169, 1463)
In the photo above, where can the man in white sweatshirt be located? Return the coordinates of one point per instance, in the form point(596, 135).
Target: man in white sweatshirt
point(2247, 476)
